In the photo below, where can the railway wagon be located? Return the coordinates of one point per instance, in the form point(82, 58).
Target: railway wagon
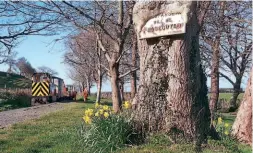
point(71, 92)
point(47, 88)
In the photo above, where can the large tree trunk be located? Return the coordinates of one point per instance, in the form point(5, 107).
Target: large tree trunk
point(172, 93)
point(116, 99)
point(236, 92)
point(242, 127)
point(133, 75)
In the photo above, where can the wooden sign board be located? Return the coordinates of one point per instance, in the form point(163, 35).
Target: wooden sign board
point(164, 25)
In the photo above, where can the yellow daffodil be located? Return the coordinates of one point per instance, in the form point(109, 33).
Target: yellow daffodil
point(97, 114)
point(219, 120)
point(214, 123)
point(96, 105)
point(226, 132)
point(88, 112)
point(226, 125)
point(106, 114)
point(101, 111)
point(87, 119)
point(105, 107)
point(127, 105)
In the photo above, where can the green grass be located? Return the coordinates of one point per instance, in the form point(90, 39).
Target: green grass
point(56, 132)
point(14, 81)
point(103, 100)
point(161, 145)
point(228, 117)
point(181, 148)
point(59, 132)
point(228, 96)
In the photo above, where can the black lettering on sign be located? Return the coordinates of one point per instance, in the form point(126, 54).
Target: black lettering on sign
point(150, 29)
point(168, 20)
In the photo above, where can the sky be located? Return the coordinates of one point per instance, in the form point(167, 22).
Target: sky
point(40, 51)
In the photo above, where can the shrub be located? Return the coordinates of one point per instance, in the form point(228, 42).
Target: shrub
point(15, 101)
point(105, 131)
point(224, 130)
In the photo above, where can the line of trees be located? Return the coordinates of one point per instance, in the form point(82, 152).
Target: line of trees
point(226, 45)
point(23, 67)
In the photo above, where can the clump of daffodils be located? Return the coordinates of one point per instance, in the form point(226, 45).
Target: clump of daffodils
point(100, 111)
point(221, 126)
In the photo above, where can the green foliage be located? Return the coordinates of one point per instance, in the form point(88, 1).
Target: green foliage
point(15, 101)
point(107, 135)
point(227, 144)
point(159, 139)
point(14, 81)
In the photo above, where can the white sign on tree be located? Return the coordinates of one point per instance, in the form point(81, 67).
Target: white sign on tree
point(164, 25)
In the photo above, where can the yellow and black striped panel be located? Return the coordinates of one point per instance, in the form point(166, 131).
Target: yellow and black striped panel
point(40, 89)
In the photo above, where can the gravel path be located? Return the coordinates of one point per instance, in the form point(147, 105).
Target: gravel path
point(19, 115)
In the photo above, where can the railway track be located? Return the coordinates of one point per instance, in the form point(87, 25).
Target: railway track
point(8, 118)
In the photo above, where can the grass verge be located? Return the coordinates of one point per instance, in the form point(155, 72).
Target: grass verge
point(56, 132)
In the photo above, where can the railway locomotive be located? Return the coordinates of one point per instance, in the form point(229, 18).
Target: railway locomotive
point(47, 88)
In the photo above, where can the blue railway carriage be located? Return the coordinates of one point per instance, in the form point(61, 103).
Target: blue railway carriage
point(47, 88)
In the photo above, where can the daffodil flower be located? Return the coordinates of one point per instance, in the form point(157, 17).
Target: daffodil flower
point(106, 114)
point(105, 107)
point(226, 125)
point(101, 111)
point(127, 105)
point(96, 105)
point(87, 119)
point(226, 132)
point(219, 120)
point(97, 114)
point(88, 112)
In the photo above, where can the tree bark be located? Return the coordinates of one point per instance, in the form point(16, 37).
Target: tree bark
point(88, 86)
point(236, 92)
point(133, 74)
point(99, 87)
point(172, 93)
point(115, 87)
point(242, 127)
point(100, 76)
point(214, 97)
point(121, 86)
